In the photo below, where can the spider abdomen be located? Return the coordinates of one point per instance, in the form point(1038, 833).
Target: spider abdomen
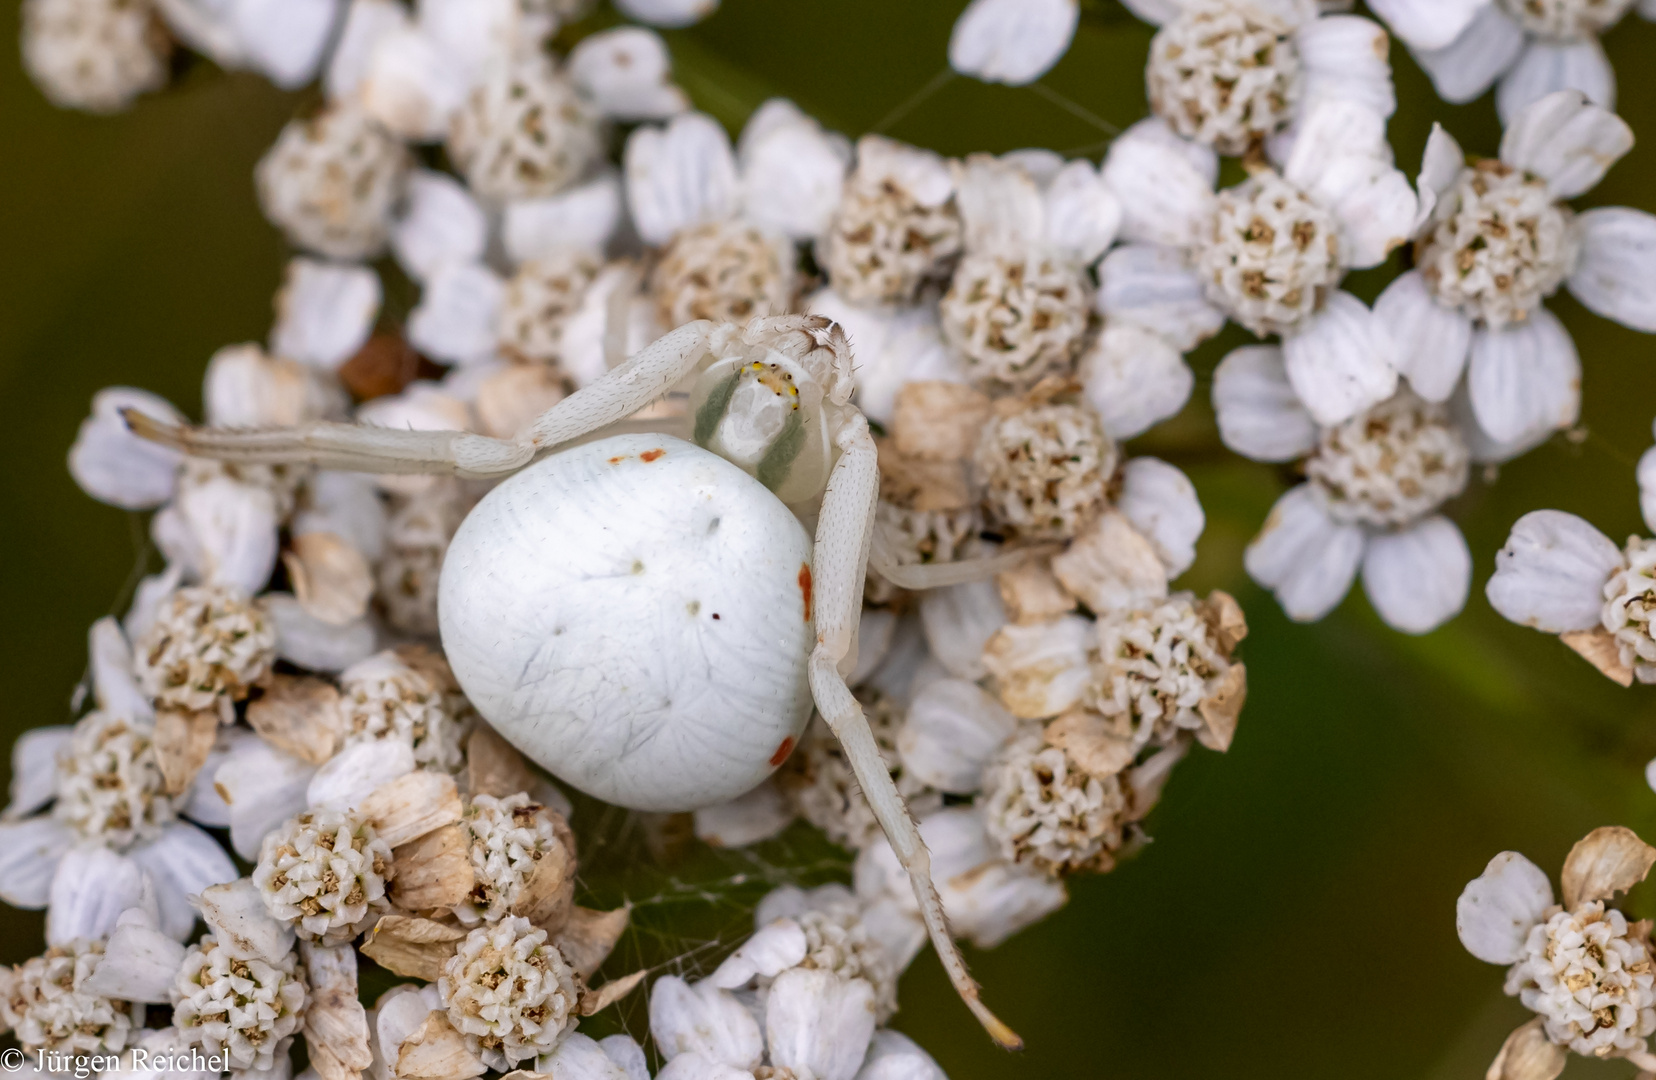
point(633, 614)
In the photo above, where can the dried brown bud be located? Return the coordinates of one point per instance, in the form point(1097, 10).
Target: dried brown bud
point(1225, 620)
point(182, 742)
point(916, 484)
point(331, 579)
point(1598, 647)
point(1110, 566)
point(434, 871)
point(437, 1052)
point(603, 997)
point(1603, 863)
point(493, 765)
point(385, 365)
point(938, 421)
point(1090, 742)
point(587, 937)
point(412, 805)
point(1032, 594)
point(1221, 709)
point(412, 947)
point(1528, 1054)
point(299, 714)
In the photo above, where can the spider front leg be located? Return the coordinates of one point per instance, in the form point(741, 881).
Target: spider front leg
point(623, 390)
point(844, 532)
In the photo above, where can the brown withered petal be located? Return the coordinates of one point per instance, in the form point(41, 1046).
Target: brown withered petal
point(1606, 861)
point(588, 936)
point(548, 894)
point(412, 947)
point(1225, 620)
point(1148, 779)
point(182, 742)
point(336, 1026)
point(385, 365)
point(412, 805)
point(593, 1001)
point(938, 421)
point(430, 663)
point(526, 1074)
point(1087, 738)
point(432, 872)
point(1221, 709)
point(437, 1052)
point(299, 714)
point(1031, 593)
point(1527, 1054)
point(493, 765)
point(515, 395)
point(1598, 647)
point(1111, 566)
point(916, 484)
point(331, 579)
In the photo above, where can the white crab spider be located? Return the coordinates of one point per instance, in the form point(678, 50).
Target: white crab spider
point(643, 615)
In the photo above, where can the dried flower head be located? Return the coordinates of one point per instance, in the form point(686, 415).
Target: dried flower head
point(1500, 244)
point(332, 181)
point(1016, 319)
point(1220, 76)
point(507, 838)
point(44, 1003)
point(1045, 468)
point(725, 271)
point(1040, 807)
point(509, 992)
point(383, 697)
point(540, 298)
point(885, 244)
point(324, 871)
point(1629, 603)
point(205, 649)
point(817, 779)
point(1273, 254)
point(109, 783)
point(246, 1009)
point(524, 133)
point(1590, 976)
point(1391, 465)
point(95, 55)
point(1155, 668)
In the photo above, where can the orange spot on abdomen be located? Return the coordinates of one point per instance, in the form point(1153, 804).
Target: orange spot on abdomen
point(615, 460)
point(782, 752)
point(805, 588)
point(651, 455)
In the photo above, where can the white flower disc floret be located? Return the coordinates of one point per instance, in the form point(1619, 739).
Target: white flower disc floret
point(1392, 465)
point(507, 838)
point(1016, 318)
point(539, 300)
point(1630, 606)
point(1272, 256)
point(1590, 980)
point(1045, 469)
point(1500, 245)
point(1154, 669)
point(384, 698)
point(1044, 810)
point(524, 133)
point(331, 182)
point(837, 941)
point(724, 271)
point(927, 536)
point(1220, 78)
point(95, 55)
point(246, 1009)
point(884, 245)
point(44, 1003)
point(208, 645)
point(1566, 20)
point(417, 536)
point(509, 992)
point(109, 784)
point(324, 871)
point(818, 782)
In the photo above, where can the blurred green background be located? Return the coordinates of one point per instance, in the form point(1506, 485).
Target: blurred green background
point(1295, 915)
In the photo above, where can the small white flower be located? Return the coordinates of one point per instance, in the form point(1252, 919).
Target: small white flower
point(507, 838)
point(1012, 41)
point(95, 55)
point(109, 786)
point(669, 13)
point(331, 182)
point(417, 537)
point(325, 872)
point(627, 72)
point(383, 697)
point(1156, 670)
point(113, 465)
point(524, 132)
point(206, 648)
point(324, 312)
point(509, 992)
point(896, 227)
point(1041, 808)
point(246, 1007)
point(1589, 979)
point(47, 1006)
point(1045, 468)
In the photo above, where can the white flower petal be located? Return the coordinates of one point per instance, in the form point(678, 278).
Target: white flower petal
point(792, 172)
point(693, 1066)
point(29, 854)
point(182, 862)
point(441, 223)
point(247, 388)
point(1428, 24)
point(625, 1052)
point(1341, 159)
point(113, 685)
point(986, 898)
point(580, 218)
point(1551, 573)
point(1440, 167)
point(771, 950)
point(1259, 414)
point(1432, 341)
point(347, 505)
point(1155, 287)
point(351, 775)
point(456, 320)
point(1345, 59)
point(284, 39)
point(1012, 41)
point(747, 819)
point(1498, 907)
point(366, 21)
point(1616, 275)
point(580, 1057)
point(204, 26)
point(305, 640)
point(34, 768)
point(1566, 140)
point(1417, 579)
point(91, 888)
point(893, 346)
point(1134, 379)
point(670, 13)
point(894, 1056)
point(152, 592)
point(959, 621)
point(1465, 68)
point(412, 85)
point(1646, 474)
point(1164, 184)
point(235, 531)
point(1546, 67)
point(703, 1019)
point(1161, 502)
point(952, 730)
point(1525, 380)
point(264, 787)
point(140, 963)
point(113, 465)
point(680, 175)
point(628, 74)
point(1341, 361)
point(324, 312)
point(819, 1024)
point(1154, 12)
point(1083, 215)
point(875, 629)
point(397, 1014)
point(1303, 556)
point(235, 912)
